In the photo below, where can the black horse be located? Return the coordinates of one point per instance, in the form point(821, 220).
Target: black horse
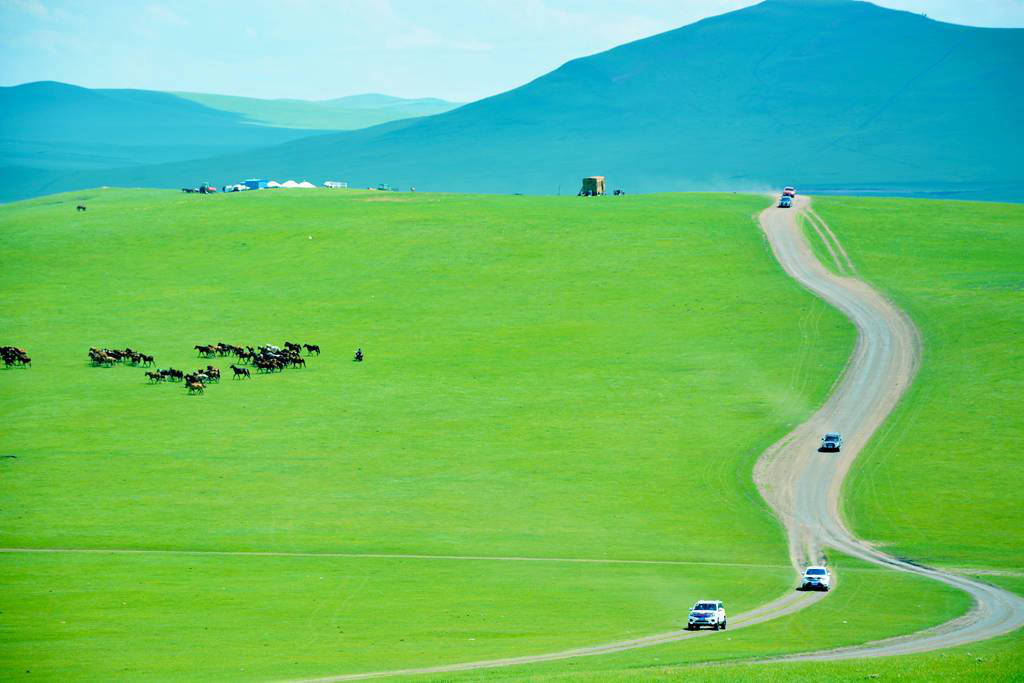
point(312, 348)
point(359, 356)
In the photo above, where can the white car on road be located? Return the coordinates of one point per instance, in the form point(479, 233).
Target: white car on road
point(710, 613)
point(832, 441)
point(816, 579)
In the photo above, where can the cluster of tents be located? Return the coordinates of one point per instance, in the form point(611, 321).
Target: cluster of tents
point(290, 184)
point(261, 184)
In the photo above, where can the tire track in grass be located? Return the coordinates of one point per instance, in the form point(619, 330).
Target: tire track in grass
point(828, 244)
point(812, 214)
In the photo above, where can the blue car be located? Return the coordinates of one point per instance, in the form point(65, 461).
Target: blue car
point(785, 202)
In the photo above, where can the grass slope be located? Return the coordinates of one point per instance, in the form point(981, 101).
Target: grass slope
point(344, 113)
point(843, 96)
point(545, 377)
point(957, 269)
point(852, 614)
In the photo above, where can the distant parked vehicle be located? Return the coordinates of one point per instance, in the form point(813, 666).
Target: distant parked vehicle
point(709, 613)
point(815, 579)
point(832, 441)
point(785, 202)
point(789, 191)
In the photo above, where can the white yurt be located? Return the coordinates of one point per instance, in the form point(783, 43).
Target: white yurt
point(289, 184)
point(306, 184)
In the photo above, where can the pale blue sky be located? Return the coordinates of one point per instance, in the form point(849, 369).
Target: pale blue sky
point(317, 49)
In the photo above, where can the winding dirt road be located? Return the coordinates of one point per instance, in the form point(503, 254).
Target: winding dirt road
point(803, 486)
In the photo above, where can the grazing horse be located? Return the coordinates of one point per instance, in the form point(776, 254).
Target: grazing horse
point(194, 387)
point(146, 359)
point(240, 372)
point(359, 356)
point(155, 376)
point(80, 207)
point(208, 350)
point(312, 348)
point(172, 373)
point(299, 361)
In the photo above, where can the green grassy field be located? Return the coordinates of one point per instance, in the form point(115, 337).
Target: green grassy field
point(957, 268)
point(545, 377)
point(849, 616)
point(941, 483)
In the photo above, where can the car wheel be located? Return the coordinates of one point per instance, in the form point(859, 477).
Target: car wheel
point(724, 624)
point(715, 627)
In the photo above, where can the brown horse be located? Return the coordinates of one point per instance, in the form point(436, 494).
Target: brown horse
point(195, 387)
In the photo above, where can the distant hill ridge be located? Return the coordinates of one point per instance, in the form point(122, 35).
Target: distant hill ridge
point(341, 113)
point(826, 94)
point(52, 126)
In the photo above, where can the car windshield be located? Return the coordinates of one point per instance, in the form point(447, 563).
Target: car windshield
point(831, 437)
point(816, 572)
point(706, 606)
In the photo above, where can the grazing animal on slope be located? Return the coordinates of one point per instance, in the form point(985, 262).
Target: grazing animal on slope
point(80, 207)
point(312, 348)
point(155, 376)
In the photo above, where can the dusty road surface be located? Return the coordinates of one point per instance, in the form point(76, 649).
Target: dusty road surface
point(802, 485)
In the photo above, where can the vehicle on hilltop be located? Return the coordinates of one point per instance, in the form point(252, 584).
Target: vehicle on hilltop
point(785, 202)
point(710, 613)
point(816, 579)
point(789, 191)
point(832, 441)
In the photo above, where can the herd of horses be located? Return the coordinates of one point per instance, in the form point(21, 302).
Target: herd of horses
point(126, 356)
point(12, 356)
point(267, 358)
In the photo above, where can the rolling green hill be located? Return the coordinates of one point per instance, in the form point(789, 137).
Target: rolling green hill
point(544, 377)
point(939, 483)
point(830, 95)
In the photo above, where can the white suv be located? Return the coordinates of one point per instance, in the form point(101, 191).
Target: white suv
point(832, 441)
point(816, 579)
point(706, 613)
